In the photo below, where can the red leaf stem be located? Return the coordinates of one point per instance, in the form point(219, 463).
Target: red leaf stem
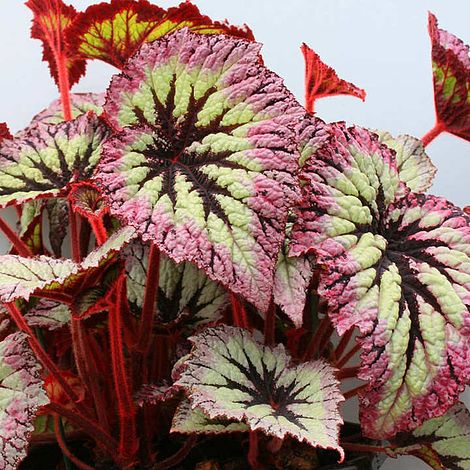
point(353, 392)
point(64, 84)
point(175, 459)
point(317, 339)
point(270, 325)
point(348, 356)
point(149, 306)
point(21, 247)
point(99, 229)
point(128, 444)
point(433, 133)
point(347, 373)
point(342, 345)
point(240, 318)
point(63, 446)
point(253, 450)
point(56, 296)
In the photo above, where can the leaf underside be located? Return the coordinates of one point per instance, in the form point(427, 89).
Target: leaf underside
point(396, 264)
point(230, 375)
point(204, 166)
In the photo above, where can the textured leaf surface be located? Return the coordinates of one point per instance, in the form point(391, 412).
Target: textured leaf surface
point(230, 374)
point(183, 288)
point(152, 394)
point(50, 22)
point(48, 314)
point(114, 31)
point(45, 159)
point(80, 104)
point(4, 132)
point(321, 80)
point(396, 264)
point(86, 199)
point(22, 394)
point(57, 210)
point(188, 420)
point(205, 164)
point(20, 277)
point(415, 168)
point(443, 443)
point(451, 75)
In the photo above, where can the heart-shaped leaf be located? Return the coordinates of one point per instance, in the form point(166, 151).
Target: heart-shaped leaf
point(321, 80)
point(114, 31)
point(451, 75)
point(415, 168)
point(230, 374)
point(22, 392)
point(395, 264)
point(188, 420)
point(183, 288)
point(443, 443)
point(50, 22)
point(21, 277)
point(205, 165)
point(46, 158)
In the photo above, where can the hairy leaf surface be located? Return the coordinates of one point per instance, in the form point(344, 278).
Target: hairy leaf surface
point(114, 31)
point(415, 168)
point(205, 164)
point(443, 443)
point(50, 22)
point(321, 80)
point(230, 374)
point(451, 75)
point(396, 264)
point(22, 394)
point(45, 159)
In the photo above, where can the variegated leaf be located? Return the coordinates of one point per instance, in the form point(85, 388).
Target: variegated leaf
point(205, 164)
point(415, 168)
point(22, 394)
point(183, 288)
point(42, 161)
point(443, 443)
point(232, 375)
point(48, 314)
point(395, 264)
point(189, 420)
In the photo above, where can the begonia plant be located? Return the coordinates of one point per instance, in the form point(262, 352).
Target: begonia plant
point(202, 267)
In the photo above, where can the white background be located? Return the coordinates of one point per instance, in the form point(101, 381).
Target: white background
point(379, 45)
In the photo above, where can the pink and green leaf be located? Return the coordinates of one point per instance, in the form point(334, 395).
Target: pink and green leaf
point(451, 76)
point(206, 160)
point(397, 265)
point(80, 103)
point(51, 20)
point(114, 32)
point(230, 374)
point(23, 394)
point(443, 443)
point(45, 159)
point(22, 277)
point(415, 168)
point(321, 80)
point(183, 288)
point(189, 420)
point(48, 314)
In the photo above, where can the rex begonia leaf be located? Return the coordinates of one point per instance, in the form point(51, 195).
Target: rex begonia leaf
point(80, 104)
point(205, 164)
point(50, 21)
point(4, 132)
point(451, 76)
point(230, 374)
point(48, 314)
point(86, 199)
point(22, 394)
point(415, 168)
point(182, 287)
point(46, 158)
point(30, 226)
point(321, 80)
point(21, 277)
point(57, 210)
point(114, 31)
point(395, 264)
point(443, 442)
point(189, 420)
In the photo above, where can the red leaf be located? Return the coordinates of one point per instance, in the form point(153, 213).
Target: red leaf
point(114, 31)
point(321, 80)
point(50, 22)
point(4, 132)
point(451, 76)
